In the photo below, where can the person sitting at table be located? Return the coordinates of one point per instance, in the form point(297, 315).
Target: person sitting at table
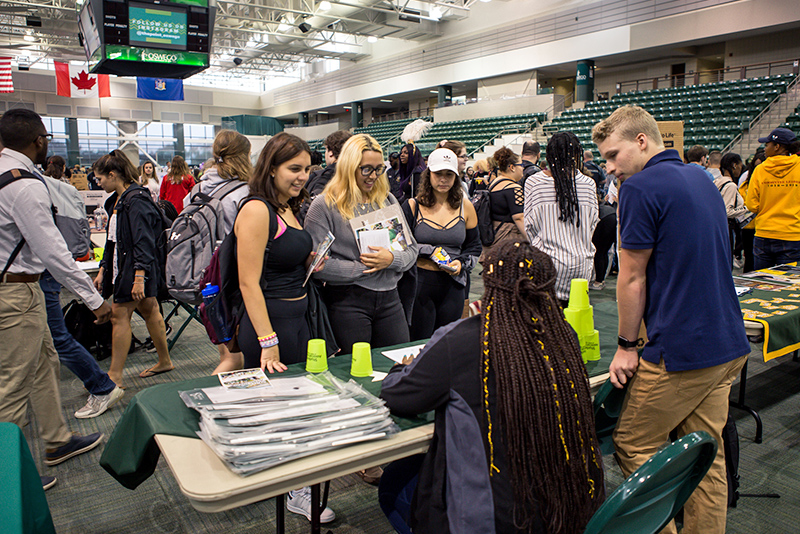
point(441, 218)
point(512, 406)
point(274, 331)
point(130, 269)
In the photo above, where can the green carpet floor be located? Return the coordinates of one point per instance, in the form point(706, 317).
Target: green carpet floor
point(87, 500)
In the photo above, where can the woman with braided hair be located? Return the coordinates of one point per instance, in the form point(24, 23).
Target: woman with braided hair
point(561, 212)
point(514, 428)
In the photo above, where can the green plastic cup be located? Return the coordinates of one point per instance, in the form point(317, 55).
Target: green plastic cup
point(578, 294)
point(590, 347)
point(98, 253)
point(361, 365)
point(317, 359)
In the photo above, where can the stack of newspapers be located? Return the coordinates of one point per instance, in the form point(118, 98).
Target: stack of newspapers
point(254, 429)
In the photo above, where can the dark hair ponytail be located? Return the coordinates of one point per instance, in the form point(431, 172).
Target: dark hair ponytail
point(564, 155)
point(118, 162)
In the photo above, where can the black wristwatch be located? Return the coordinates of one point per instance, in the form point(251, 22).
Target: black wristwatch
point(625, 344)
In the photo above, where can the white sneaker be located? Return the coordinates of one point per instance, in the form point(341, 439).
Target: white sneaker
point(299, 502)
point(98, 404)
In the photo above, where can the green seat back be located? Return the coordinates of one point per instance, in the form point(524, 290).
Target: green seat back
point(654, 493)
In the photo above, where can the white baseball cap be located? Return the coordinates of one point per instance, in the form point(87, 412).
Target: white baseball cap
point(443, 159)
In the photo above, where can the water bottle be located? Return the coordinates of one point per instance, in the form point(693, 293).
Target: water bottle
point(100, 219)
point(213, 309)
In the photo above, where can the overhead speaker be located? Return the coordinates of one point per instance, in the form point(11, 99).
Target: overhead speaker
point(238, 61)
point(305, 27)
point(33, 21)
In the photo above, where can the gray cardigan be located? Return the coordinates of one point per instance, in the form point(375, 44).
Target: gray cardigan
point(344, 267)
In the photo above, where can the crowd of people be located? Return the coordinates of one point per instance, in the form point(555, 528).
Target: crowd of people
point(515, 361)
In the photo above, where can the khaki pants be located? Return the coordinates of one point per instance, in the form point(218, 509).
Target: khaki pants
point(657, 402)
point(29, 367)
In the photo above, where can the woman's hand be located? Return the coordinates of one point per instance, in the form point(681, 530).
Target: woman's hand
point(455, 268)
point(378, 260)
point(310, 260)
point(271, 360)
point(98, 280)
point(137, 292)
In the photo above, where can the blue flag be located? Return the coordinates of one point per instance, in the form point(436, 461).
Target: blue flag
point(159, 89)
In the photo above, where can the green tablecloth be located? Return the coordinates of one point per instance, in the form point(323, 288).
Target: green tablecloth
point(22, 501)
point(131, 453)
point(779, 312)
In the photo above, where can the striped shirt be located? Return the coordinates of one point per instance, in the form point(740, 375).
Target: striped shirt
point(569, 247)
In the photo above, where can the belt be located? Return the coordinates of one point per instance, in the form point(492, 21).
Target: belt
point(20, 278)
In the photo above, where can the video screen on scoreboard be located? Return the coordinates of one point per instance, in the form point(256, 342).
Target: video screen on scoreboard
point(157, 26)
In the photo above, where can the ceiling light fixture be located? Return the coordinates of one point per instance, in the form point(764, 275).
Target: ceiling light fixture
point(384, 100)
point(322, 112)
point(29, 38)
point(436, 12)
point(324, 6)
point(283, 27)
point(372, 39)
point(435, 92)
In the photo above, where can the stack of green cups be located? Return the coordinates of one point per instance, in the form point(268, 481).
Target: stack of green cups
point(580, 316)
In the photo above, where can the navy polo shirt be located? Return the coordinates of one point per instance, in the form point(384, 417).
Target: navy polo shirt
point(692, 313)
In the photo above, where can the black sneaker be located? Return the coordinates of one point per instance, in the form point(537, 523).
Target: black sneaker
point(77, 445)
point(48, 482)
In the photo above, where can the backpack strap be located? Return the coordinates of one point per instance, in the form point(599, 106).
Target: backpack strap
point(9, 177)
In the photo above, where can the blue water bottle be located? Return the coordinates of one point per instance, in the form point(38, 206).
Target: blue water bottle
point(213, 309)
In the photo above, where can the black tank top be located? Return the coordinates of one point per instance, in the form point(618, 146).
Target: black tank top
point(284, 270)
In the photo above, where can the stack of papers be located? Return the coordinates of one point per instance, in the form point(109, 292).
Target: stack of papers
point(257, 428)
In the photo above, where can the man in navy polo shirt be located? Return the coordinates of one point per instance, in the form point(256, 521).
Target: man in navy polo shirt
point(675, 274)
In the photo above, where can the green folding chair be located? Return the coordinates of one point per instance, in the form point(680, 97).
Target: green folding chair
point(607, 407)
point(654, 493)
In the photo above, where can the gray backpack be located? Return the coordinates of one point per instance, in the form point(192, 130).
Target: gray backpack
point(193, 237)
point(70, 216)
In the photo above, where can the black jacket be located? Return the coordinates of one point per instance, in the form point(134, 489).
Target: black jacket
point(139, 225)
point(315, 185)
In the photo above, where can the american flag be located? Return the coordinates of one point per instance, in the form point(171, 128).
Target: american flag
point(6, 84)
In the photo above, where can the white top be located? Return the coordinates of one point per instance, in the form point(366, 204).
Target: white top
point(25, 212)
point(569, 246)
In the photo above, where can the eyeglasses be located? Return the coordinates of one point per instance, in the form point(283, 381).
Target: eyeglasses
point(49, 137)
point(367, 170)
point(519, 165)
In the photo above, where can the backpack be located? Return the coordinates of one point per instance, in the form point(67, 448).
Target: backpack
point(193, 237)
point(223, 272)
point(483, 207)
point(69, 213)
point(80, 323)
point(730, 442)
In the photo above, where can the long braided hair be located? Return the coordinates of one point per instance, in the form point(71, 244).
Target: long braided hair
point(564, 156)
point(544, 408)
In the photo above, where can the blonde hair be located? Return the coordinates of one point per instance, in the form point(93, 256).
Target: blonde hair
point(232, 155)
point(342, 191)
point(628, 121)
point(485, 165)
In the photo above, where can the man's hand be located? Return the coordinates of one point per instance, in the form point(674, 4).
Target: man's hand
point(623, 367)
point(103, 313)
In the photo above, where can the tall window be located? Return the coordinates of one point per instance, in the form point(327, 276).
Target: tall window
point(198, 140)
point(160, 146)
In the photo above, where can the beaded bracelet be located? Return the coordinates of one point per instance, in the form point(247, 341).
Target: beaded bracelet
point(268, 341)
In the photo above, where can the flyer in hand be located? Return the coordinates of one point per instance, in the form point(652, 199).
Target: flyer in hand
point(322, 249)
point(385, 228)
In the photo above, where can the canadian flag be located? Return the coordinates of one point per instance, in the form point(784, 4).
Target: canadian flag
point(75, 82)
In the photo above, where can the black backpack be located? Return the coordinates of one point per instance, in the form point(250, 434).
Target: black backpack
point(80, 322)
point(483, 207)
point(730, 442)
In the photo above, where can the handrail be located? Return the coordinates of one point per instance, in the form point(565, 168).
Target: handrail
point(792, 64)
point(760, 116)
point(526, 129)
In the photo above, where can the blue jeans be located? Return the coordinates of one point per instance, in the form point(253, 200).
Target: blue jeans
point(769, 252)
point(70, 352)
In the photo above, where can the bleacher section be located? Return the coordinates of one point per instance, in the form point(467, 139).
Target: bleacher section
point(477, 132)
point(713, 113)
point(793, 121)
point(318, 145)
point(385, 131)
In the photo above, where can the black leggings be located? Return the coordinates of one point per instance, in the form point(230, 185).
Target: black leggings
point(358, 314)
point(604, 235)
point(288, 318)
point(439, 301)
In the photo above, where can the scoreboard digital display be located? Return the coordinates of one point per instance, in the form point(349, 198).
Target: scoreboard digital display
point(166, 39)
